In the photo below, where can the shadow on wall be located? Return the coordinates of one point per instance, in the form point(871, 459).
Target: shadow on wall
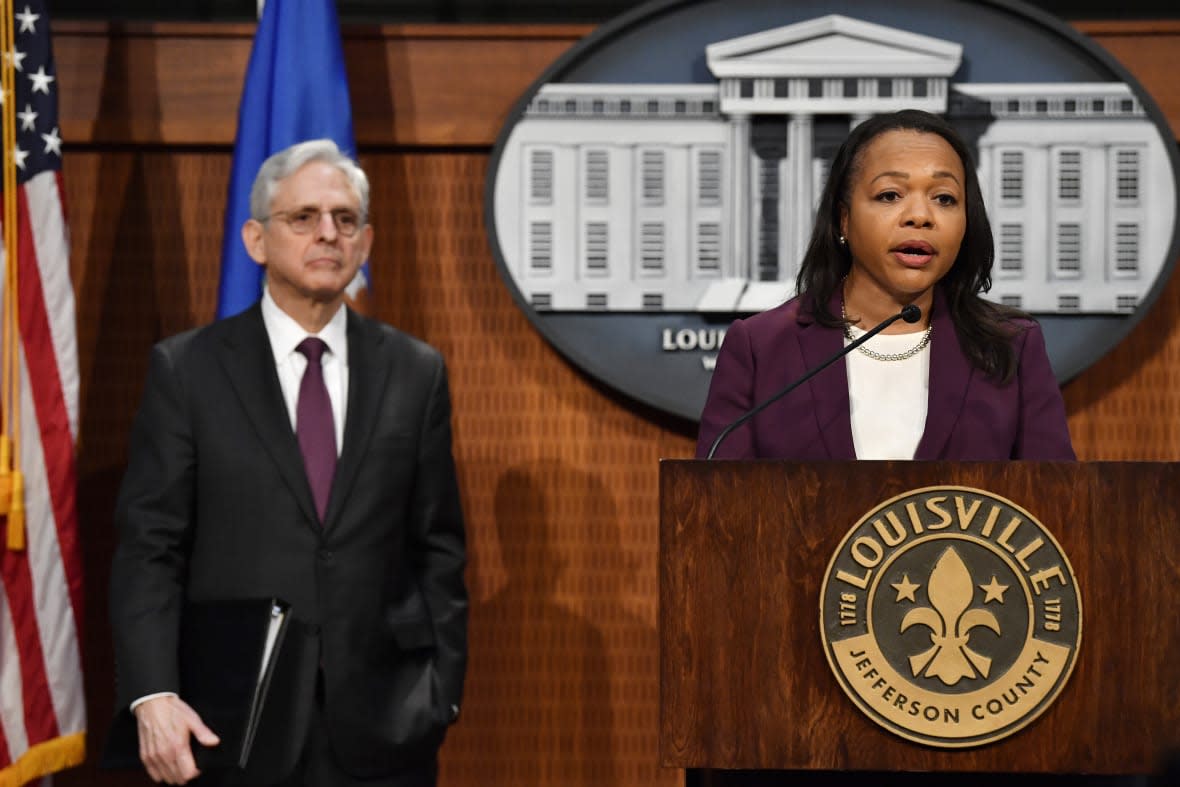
point(548, 677)
point(135, 290)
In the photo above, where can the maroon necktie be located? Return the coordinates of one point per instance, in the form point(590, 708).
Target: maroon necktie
point(314, 426)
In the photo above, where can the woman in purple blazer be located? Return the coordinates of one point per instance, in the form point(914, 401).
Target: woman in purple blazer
point(901, 221)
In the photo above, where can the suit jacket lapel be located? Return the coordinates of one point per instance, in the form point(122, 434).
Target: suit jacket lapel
point(829, 388)
point(367, 375)
point(250, 364)
point(950, 375)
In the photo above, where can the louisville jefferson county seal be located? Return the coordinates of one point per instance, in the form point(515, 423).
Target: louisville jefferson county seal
point(951, 616)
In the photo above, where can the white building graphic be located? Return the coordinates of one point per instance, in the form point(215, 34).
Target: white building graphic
point(701, 198)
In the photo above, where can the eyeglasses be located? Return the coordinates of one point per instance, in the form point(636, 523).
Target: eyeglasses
point(305, 221)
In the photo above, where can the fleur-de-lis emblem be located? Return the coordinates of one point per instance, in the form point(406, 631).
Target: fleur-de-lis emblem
point(950, 621)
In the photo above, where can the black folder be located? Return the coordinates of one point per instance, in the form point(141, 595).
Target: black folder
point(228, 651)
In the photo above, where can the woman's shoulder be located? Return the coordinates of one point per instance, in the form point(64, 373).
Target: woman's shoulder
point(788, 316)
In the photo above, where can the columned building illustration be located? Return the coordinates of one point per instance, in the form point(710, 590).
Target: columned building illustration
point(1075, 183)
point(792, 95)
point(698, 198)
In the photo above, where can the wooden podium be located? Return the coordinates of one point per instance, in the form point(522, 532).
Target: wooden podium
point(744, 680)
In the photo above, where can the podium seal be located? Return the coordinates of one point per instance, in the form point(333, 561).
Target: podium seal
point(951, 616)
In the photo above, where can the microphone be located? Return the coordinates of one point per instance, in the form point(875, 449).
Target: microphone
point(910, 314)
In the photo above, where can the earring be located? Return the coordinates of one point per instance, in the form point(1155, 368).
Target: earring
point(843, 240)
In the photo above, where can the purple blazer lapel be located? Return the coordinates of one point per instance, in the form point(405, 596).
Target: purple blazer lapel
point(950, 374)
point(829, 388)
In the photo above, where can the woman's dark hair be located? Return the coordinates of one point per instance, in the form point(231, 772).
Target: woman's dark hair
point(984, 328)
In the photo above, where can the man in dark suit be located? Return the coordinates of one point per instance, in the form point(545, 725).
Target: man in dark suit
point(303, 452)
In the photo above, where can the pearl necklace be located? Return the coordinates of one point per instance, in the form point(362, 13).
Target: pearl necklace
point(876, 356)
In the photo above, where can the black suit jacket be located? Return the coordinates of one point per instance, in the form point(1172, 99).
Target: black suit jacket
point(215, 504)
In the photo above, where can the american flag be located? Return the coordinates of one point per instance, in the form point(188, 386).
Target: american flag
point(42, 705)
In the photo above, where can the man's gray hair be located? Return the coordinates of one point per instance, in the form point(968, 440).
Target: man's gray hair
point(286, 163)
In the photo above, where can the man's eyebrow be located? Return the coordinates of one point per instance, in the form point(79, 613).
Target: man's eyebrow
point(312, 206)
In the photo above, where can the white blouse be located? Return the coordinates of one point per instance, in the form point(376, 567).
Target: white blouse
point(888, 398)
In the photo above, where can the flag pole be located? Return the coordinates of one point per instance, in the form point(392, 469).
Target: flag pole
point(5, 90)
point(11, 486)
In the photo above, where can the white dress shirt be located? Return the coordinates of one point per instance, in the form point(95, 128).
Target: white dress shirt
point(285, 335)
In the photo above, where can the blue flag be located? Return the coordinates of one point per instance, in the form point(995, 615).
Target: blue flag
point(296, 89)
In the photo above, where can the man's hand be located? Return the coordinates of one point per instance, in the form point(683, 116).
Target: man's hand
point(165, 724)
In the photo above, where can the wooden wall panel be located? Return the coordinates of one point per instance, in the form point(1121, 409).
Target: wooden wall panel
point(422, 85)
point(558, 475)
point(559, 484)
point(180, 84)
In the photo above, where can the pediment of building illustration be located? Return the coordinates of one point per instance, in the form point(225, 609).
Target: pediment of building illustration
point(833, 46)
